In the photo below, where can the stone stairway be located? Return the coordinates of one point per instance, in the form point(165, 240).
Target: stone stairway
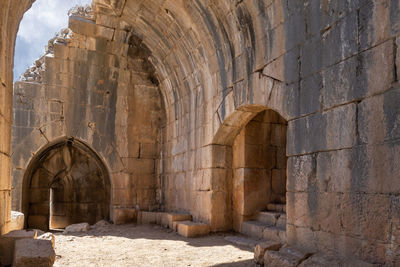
point(179, 222)
point(268, 225)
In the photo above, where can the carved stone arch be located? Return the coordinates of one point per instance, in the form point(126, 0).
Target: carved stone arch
point(66, 182)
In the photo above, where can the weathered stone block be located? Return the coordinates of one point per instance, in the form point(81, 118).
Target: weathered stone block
point(193, 229)
point(170, 218)
point(319, 131)
point(301, 173)
point(147, 217)
point(82, 26)
point(33, 253)
point(7, 244)
point(104, 32)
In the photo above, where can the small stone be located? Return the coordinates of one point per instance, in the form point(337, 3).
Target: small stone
point(101, 223)
point(79, 227)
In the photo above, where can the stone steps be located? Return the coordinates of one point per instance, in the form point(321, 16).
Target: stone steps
point(268, 225)
point(260, 230)
point(242, 241)
point(179, 222)
point(272, 218)
point(277, 207)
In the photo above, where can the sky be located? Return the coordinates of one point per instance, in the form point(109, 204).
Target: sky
point(39, 24)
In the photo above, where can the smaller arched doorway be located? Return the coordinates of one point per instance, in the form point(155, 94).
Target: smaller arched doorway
point(253, 139)
point(259, 175)
point(65, 183)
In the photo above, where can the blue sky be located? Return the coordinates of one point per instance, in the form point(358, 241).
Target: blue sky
point(39, 24)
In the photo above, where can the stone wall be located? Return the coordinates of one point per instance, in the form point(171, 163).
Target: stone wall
point(96, 86)
point(329, 68)
point(11, 13)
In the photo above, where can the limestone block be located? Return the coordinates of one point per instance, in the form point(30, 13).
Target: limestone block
point(104, 32)
point(253, 228)
point(148, 217)
point(124, 215)
point(7, 243)
point(17, 221)
point(107, 21)
point(193, 229)
point(48, 236)
point(33, 253)
point(319, 131)
point(261, 248)
point(79, 227)
point(168, 219)
point(82, 26)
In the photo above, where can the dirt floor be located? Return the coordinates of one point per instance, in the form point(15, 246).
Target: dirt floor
point(146, 245)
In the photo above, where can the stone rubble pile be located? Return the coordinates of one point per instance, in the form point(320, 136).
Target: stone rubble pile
point(34, 72)
point(81, 11)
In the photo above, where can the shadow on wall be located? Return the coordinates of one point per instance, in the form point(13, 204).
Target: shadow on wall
point(65, 183)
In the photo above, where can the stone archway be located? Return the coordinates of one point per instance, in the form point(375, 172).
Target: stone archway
point(253, 172)
point(259, 177)
point(65, 183)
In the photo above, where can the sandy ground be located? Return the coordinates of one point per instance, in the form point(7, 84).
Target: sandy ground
point(146, 245)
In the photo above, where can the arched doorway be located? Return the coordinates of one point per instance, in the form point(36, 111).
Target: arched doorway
point(65, 183)
point(259, 177)
point(253, 140)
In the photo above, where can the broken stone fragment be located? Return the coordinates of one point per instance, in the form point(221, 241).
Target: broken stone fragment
point(79, 227)
point(33, 253)
point(261, 248)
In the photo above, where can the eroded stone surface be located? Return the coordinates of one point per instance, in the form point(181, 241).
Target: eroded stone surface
point(33, 253)
point(7, 244)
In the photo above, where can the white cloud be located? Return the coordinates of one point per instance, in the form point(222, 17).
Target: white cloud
point(39, 24)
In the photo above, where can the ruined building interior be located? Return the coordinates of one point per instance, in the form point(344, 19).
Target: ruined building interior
point(276, 119)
